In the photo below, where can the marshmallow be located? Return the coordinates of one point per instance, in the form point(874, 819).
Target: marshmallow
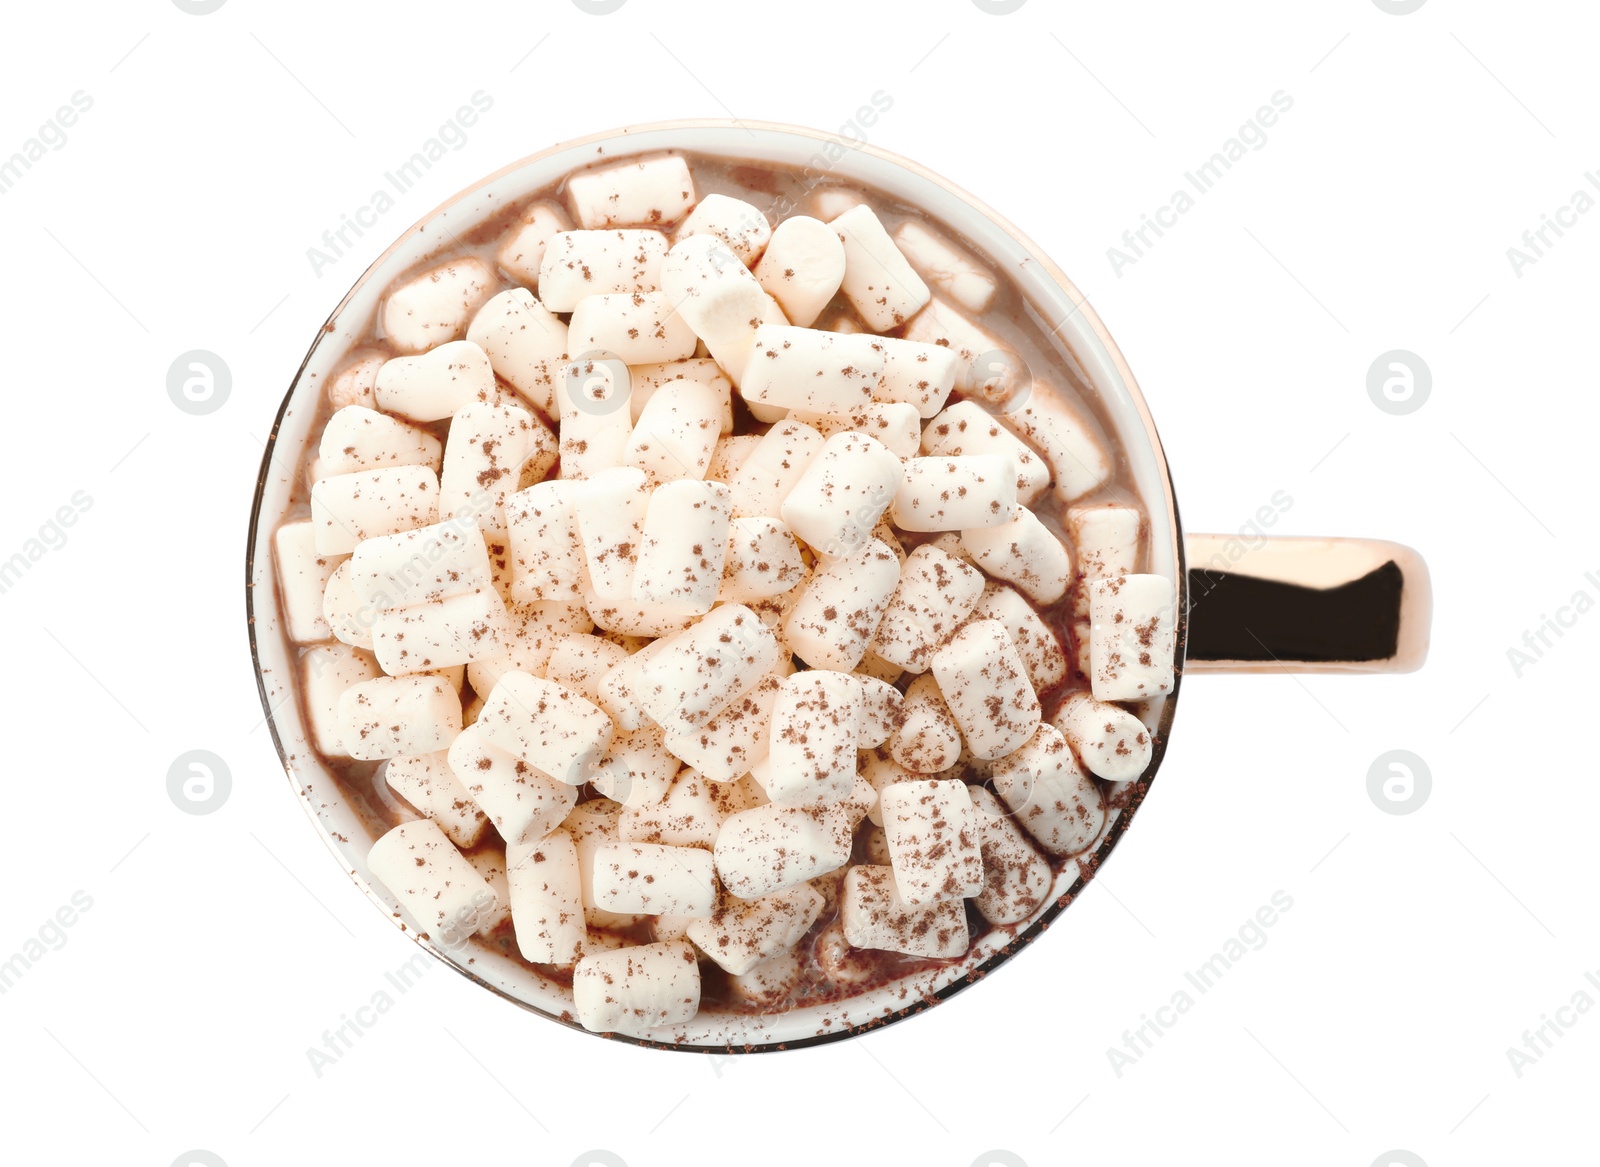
point(1110, 742)
point(829, 202)
point(1053, 799)
point(618, 691)
point(881, 771)
point(435, 384)
point(874, 916)
point(535, 628)
point(882, 710)
point(932, 832)
point(579, 660)
point(1079, 463)
point(546, 894)
point(719, 299)
point(358, 438)
point(703, 669)
point(434, 883)
point(526, 344)
point(1016, 878)
point(426, 782)
point(816, 725)
point(434, 307)
point(1106, 538)
point(834, 617)
point(742, 934)
point(774, 467)
point(303, 577)
point(326, 671)
point(638, 327)
point(635, 990)
point(611, 510)
point(946, 267)
point(689, 814)
point(1022, 551)
point(546, 725)
point(804, 368)
point(965, 428)
point(523, 803)
point(592, 398)
point(684, 546)
point(986, 685)
point(440, 634)
point(523, 249)
point(878, 281)
point(955, 494)
point(343, 612)
point(729, 454)
point(737, 223)
point(802, 268)
point(934, 595)
point(872, 665)
point(737, 738)
point(419, 566)
point(843, 493)
point(645, 380)
point(638, 769)
point(389, 716)
point(895, 424)
point(488, 448)
point(762, 560)
point(1037, 643)
point(352, 385)
point(349, 508)
point(916, 374)
point(547, 557)
point(636, 618)
point(927, 740)
point(654, 880)
point(769, 848)
point(1132, 637)
point(592, 825)
point(652, 189)
point(596, 263)
point(676, 432)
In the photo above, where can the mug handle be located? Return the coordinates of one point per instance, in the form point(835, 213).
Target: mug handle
point(1305, 605)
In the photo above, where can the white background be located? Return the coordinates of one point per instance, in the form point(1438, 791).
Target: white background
point(1419, 948)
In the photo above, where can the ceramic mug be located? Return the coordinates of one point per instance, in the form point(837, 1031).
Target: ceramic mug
point(1304, 605)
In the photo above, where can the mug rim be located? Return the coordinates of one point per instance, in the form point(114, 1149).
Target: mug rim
point(1138, 789)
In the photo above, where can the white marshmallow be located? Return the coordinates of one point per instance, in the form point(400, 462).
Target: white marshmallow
point(546, 725)
point(349, 508)
point(618, 691)
point(917, 374)
point(965, 428)
point(881, 771)
point(676, 432)
point(1106, 538)
point(927, 740)
point(390, 716)
point(688, 814)
point(773, 468)
point(874, 916)
point(805, 368)
point(524, 804)
point(655, 188)
point(1132, 637)
point(1110, 742)
point(596, 263)
point(638, 769)
point(592, 825)
point(547, 557)
point(343, 611)
point(701, 670)
point(352, 385)
point(636, 618)
point(986, 685)
point(654, 880)
point(611, 510)
point(434, 384)
point(638, 327)
point(736, 739)
point(729, 454)
point(535, 628)
point(932, 832)
point(719, 299)
point(645, 380)
point(829, 202)
point(303, 577)
point(843, 493)
point(592, 397)
point(523, 248)
point(579, 660)
point(816, 727)
point(882, 709)
point(802, 268)
point(433, 308)
point(1078, 461)
point(488, 449)
point(946, 267)
point(946, 326)
point(419, 566)
point(434, 883)
point(878, 281)
point(769, 848)
point(893, 423)
point(935, 593)
point(1037, 643)
point(635, 990)
point(547, 899)
point(835, 615)
point(737, 223)
point(440, 634)
point(526, 344)
point(955, 494)
point(1016, 878)
point(741, 935)
point(684, 546)
point(1024, 552)
point(763, 560)
point(1053, 799)
point(427, 783)
point(357, 438)
point(326, 671)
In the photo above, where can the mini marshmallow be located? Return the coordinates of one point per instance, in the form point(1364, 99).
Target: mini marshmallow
point(736, 739)
point(638, 769)
point(893, 423)
point(303, 577)
point(326, 671)
point(676, 432)
point(638, 327)
point(390, 716)
point(349, 508)
point(343, 612)
point(546, 725)
point(946, 267)
point(441, 634)
point(965, 428)
point(434, 384)
point(656, 188)
point(547, 556)
point(427, 783)
point(434, 883)
point(986, 685)
point(881, 771)
point(419, 566)
point(956, 494)
point(834, 617)
point(719, 299)
point(701, 670)
point(774, 467)
point(1016, 878)
point(488, 448)
point(546, 899)
point(882, 710)
point(352, 385)
point(829, 202)
point(592, 398)
point(654, 880)
point(1040, 647)
point(618, 691)
point(611, 511)
point(596, 263)
point(357, 438)
point(1132, 637)
point(928, 740)
point(742, 934)
point(769, 848)
point(932, 832)
point(684, 546)
point(874, 916)
point(1022, 551)
point(737, 223)
point(1110, 742)
point(579, 660)
point(935, 594)
point(802, 268)
point(804, 368)
point(636, 618)
point(1053, 799)
point(526, 344)
point(762, 560)
point(878, 281)
point(647, 379)
point(592, 825)
point(523, 249)
point(843, 493)
point(689, 813)
point(637, 989)
point(816, 728)
point(524, 804)
point(1106, 539)
point(1077, 459)
point(916, 374)
point(945, 325)
point(729, 454)
point(535, 628)
point(434, 307)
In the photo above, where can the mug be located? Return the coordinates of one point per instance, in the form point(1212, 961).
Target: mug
point(1282, 604)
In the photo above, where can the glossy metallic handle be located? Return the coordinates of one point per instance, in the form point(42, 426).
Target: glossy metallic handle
point(1306, 605)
